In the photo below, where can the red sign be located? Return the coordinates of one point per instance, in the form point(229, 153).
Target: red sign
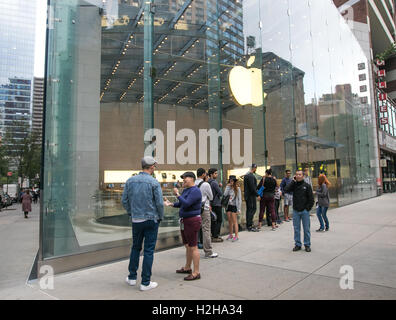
point(384, 120)
point(382, 85)
point(383, 96)
point(380, 62)
point(381, 73)
point(383, 109)
point(9, 174)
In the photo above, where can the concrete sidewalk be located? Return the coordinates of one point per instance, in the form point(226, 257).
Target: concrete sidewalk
point(259, 266)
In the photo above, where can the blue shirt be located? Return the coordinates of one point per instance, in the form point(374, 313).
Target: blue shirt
point(142, 197)
point(284, 183)
point(189, 202)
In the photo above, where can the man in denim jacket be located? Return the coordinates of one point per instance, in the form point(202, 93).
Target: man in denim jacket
point(142, 199)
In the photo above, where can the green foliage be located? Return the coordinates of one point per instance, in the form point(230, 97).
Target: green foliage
point(390, 51)
point(20, 152)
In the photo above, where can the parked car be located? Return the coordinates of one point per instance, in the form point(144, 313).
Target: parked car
point(8, 200)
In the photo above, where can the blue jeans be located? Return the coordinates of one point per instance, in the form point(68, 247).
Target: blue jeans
point(321, 212)
point(303, 216)
point(147, 230)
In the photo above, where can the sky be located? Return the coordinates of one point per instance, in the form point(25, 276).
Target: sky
point(39, 57)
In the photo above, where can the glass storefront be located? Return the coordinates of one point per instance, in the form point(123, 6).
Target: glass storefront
point(286, 79)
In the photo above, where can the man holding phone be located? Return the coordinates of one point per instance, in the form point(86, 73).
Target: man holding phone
point(303, 202)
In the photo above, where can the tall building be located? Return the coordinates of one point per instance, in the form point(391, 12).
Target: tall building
point(373, 23)
point(17, 38)
point(15, 105)
point(38, 101)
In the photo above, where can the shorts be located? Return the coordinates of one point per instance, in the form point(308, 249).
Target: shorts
point(232, 208)
point(190, 233)
point(288, 199)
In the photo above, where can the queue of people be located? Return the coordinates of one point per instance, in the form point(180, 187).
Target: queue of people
point(200, 210)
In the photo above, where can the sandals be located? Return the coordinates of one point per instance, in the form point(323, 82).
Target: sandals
point(191, 277)
point(182, 270)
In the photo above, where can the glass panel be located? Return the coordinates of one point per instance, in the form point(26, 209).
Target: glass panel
point(222, 83)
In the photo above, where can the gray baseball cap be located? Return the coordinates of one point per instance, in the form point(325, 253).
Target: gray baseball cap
point(148, 161)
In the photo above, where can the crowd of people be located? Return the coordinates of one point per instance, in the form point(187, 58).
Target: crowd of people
point(201, 203)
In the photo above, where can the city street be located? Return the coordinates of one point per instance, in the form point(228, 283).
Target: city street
point(259, 266)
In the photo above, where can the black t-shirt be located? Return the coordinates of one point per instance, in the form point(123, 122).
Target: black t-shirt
point(269, 186)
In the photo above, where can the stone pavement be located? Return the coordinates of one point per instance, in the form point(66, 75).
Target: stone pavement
point(259, 266)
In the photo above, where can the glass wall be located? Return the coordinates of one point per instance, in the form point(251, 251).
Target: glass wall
point(223, 83)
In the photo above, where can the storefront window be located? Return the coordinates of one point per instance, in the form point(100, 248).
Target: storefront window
point(278, 79)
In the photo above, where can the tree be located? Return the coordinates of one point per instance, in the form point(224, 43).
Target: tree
point(20, 151)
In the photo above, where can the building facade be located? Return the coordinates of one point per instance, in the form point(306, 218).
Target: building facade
point(198, 84)
point(373, 23)
point(38, 102)
point(17, 37)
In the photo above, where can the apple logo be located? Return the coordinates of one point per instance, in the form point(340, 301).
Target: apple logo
point(246, 84)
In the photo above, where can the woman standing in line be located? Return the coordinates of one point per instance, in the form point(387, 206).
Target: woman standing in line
point(268, 200)
point(26, 203)
point(323, 202)
point(234, 206)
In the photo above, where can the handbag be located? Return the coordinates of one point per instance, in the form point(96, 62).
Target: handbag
point(260, 191)
point(225, 200)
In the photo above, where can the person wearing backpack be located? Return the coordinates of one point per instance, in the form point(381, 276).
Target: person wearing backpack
point(207, 196)
point(216, 205)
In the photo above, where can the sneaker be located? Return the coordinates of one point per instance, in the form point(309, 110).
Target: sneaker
point(253, 229)
point(152, 285)
point(320, 230)
point(131, 282)
point(273, 229)
point(217, 239)
point(307, 248)
point(235, 239)
point(229, 237)
point(296, 248)
point(213, 255)
point(327, 229)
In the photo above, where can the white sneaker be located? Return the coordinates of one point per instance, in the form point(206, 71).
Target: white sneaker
point(152, 285)
point(213, 255)
point(131, 282)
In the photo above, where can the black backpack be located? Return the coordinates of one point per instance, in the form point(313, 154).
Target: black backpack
point(203, 203)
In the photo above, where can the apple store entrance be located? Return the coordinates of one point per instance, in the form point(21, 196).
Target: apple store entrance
point(260, 70)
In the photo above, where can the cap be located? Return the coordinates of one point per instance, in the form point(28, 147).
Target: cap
point(188, 174)
point(253, 165)
point(148, 161)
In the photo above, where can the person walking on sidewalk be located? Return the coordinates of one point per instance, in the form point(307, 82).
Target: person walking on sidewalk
point(268, 200)
point(287, 197)
point(216, 205)
point(303, 202)
point(190, 203)
point(234, 206)
point(251, 196)
point(323, 202)
point(26, 203)
point(207, 196)
point(142, 199)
